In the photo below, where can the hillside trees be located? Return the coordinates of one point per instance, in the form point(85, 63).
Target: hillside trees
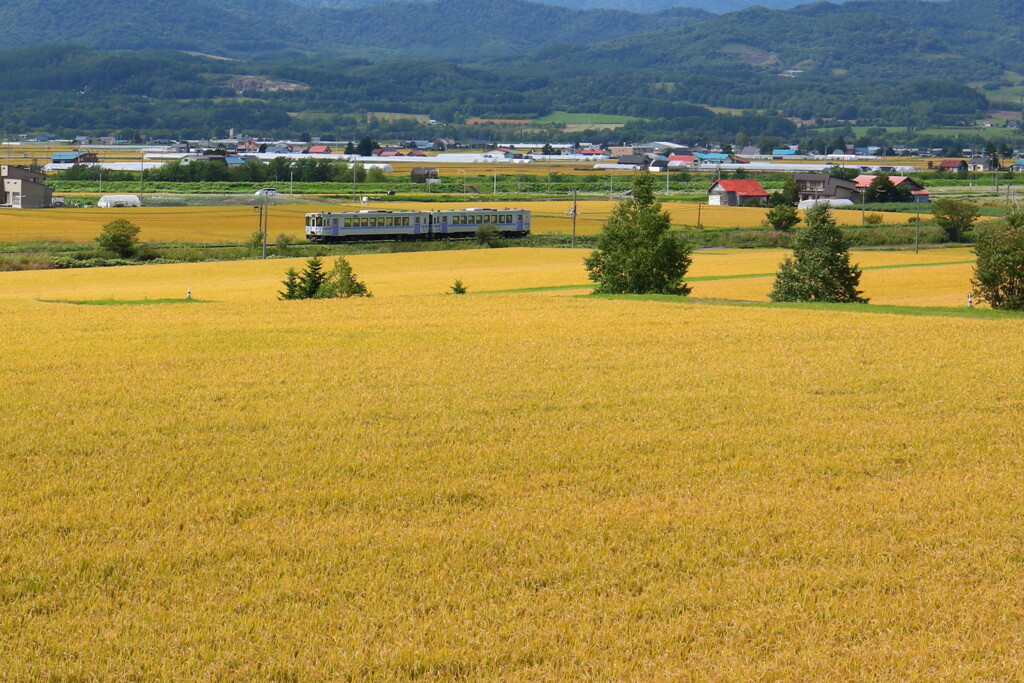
point(819, 269)
point(637, 253)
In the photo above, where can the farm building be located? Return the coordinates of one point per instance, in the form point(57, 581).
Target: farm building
point(983, 164)
point(109, 201)
point(952, 165)
point(75, 158)
point(422, 174)
point(916, 189)
point(823, 186)
point(737, 193)
point(24, 189)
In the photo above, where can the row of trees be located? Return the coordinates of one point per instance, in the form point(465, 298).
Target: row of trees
point(637, 253)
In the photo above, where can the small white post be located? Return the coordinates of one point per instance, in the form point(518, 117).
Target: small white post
point(188, 293)
point(970, 300)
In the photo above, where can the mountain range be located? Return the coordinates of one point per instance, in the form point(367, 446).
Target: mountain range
point(713, 6)
point(176, 64)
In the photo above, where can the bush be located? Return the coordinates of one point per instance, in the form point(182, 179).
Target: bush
point(955, 217)
point(487, 235)
point(781, 217)
point(637, 253)
point(819, 269)
point(874, 219)
point(459, 288)
point(999, 271)
point(314, 283)
point(120, 236)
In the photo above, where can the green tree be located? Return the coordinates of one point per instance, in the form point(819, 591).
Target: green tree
point(954, 217)
point(366, 146)
point(883, 190)
point(637, 253)
point(782, 217)
point(291, 285)
point(819, 269)
point(120, 236)
point(314, 283)
point(788, 196)
point(341, 282)
point(459, 288)
point(999, 271)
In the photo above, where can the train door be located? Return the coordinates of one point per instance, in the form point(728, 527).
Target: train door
point(444, 223)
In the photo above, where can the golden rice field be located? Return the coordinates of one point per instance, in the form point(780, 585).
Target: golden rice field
point(236, 223)
point(505, 486)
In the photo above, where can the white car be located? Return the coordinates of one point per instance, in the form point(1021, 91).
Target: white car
point(266, 192)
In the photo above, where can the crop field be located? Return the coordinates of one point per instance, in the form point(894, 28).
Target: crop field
point(236, 223)
point(505, 485)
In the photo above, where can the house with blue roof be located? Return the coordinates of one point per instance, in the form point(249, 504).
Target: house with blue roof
point(74, 158)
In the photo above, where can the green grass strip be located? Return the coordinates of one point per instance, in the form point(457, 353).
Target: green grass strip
point(877, 309)
point(711, 278)
point(122, 302)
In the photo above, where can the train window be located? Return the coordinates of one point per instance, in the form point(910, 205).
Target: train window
point(348, 222)
point(405, 220)
point(364, 221)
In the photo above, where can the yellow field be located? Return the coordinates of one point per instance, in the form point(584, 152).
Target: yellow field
point(237, 223)
point(504, 486)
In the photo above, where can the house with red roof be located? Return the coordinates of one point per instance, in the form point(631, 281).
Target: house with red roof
point(737, 193)
point(902, 182)
point(953, 165)
point(318, 149)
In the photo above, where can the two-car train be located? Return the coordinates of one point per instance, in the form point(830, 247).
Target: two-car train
point(364, 225)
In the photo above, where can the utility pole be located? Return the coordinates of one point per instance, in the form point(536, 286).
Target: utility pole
point(917, 230)
point(142, 171)
point(699, 204)
point(574, 192)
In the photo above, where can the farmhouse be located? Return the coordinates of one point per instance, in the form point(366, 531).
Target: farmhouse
point(953, 165)
point(318, 149)
point(737, 193)
point(982, 164)
point(917, 192)
point(24, 189)
point(817, 186)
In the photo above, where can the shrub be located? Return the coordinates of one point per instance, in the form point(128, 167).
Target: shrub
point(819, 269)
point(314, 283)
point(781, 217)
point(874, 219)
point(955, 217)
point(120, 236)
point(637, 253)
point(459, 288)
point(487, 235)
point(999, 271)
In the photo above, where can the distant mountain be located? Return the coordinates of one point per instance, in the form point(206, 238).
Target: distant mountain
point(643, 6)
point(446, 29)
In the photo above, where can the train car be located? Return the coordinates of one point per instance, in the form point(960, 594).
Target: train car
point(366, 225)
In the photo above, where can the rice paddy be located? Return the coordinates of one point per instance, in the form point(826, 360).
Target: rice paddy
point(506, 486)
point(217, 224)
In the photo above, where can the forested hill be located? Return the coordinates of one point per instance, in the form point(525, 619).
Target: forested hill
point(714, 6)
point(441, 29)
point(869, 41)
